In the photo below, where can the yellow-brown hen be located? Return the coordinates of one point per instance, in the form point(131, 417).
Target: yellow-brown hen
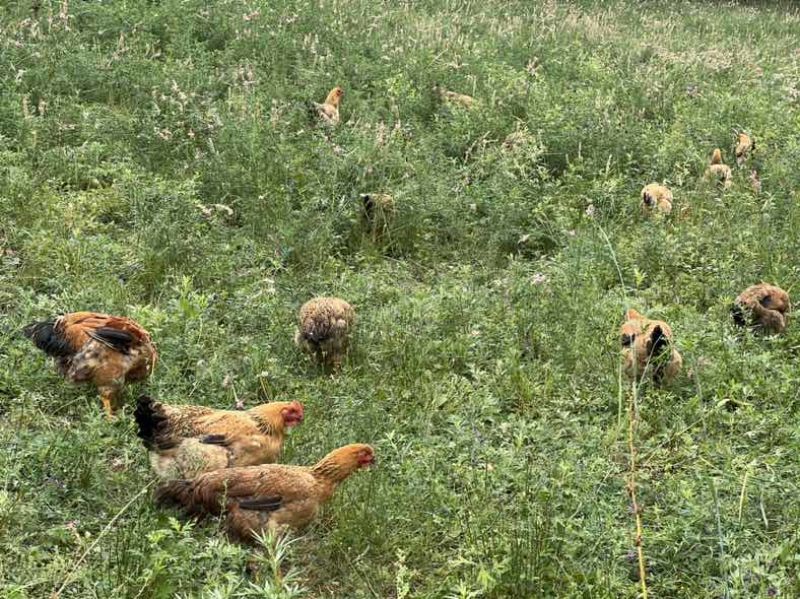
point(452, 97)
point(186, 440)
point(328, 111)
point(377, 213)
point(656, 199)
point(718, 171)
point(763, 307)
point(744, 146)
point(268, 497)
point(647, 349)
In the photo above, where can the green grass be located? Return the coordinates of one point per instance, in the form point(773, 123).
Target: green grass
point(485, 367)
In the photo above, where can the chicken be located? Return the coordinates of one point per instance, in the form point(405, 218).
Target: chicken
point(212, 209)
point(453, 97)
point(378, 210)
point(328, 111)
point(656, 199)
point(755, 182)
point(520, 138)
point(324, 327)
point(719, 172)
point(268, 497)
point(744, 145)
point(764, 308)
point(108, 351)
point(647, 349)
point(185, 441)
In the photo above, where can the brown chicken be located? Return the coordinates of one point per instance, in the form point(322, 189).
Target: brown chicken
point(755, 182)
point(185, 441)
point(453, 97)
point(719, 172)
point(377, 213)
point(764, 308)
point(656, 199)
point(647, 349)
point(744, 145)
point(328, 111)
point(108, 351)
point(268, 497)
point(324, 327)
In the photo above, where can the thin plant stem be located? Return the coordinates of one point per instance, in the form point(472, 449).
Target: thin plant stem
point(56, 594)
point(633, 408)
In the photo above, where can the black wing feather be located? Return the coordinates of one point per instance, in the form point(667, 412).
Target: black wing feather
point(262, 504)
point(215, 440)
point(115, 339)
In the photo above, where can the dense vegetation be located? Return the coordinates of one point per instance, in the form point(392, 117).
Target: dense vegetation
point(485, 368)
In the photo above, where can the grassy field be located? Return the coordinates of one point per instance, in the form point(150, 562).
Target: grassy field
point(485, 368)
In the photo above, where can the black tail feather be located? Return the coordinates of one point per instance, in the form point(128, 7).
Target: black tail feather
point(150, 419)
point(660, 345)
point(660, 341)
point(368, 203)
point(47, 338)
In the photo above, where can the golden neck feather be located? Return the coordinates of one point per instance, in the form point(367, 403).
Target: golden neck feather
point(269, 422)
point(332, 470)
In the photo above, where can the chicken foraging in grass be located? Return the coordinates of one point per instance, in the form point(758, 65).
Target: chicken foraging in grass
point(185, 441)
point(719, 172)
point(268, 497)
point(107, 351)
point(656, 199)
point(744, 146)
point(324, 327)
point(328, 111)
point(453, 97)
point(647, 349)
point(377, 213)
point(755, 182)
point(764, 308)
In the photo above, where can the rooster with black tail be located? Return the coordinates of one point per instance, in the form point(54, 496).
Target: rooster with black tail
point(89, 347)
